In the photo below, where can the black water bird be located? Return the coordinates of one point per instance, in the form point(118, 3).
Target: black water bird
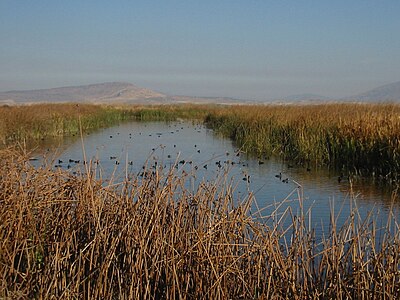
point(246, 178)
point(260, 162)
point(205, 167)
point(285, 180)
point(113, 157)
point(198, 151)
point(279, 175)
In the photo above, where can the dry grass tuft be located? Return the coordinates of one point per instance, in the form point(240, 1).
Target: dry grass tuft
point(40, 121)
point(65, 236)
point(360, 138)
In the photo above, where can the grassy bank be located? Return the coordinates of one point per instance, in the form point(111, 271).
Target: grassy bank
point(75, 237)
point(35, 122)
point(40, 121)
point(362, 138)
point(173, 112)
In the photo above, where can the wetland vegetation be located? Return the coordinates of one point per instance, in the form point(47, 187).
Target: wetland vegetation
point(361, 139)
point(40, 121)
point(67, 235)
point(75, 236)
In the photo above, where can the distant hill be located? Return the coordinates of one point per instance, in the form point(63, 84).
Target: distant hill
point(305, 97)
point(109, 92)
point(121, 92)
point(387, 92)
point(206, 100)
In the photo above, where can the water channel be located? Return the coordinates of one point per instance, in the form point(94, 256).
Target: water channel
point(123, 150)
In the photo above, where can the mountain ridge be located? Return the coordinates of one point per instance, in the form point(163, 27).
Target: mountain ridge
point(125, 93)
point(386, 92)
point(305, 97)
point(114, 92)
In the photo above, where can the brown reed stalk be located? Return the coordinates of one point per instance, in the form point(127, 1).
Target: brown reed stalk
point(74, 236)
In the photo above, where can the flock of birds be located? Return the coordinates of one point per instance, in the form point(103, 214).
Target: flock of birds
point(173, 159)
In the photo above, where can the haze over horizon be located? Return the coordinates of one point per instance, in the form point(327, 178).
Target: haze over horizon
point(241, 49)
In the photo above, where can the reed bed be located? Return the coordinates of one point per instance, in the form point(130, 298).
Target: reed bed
point(32, 123)
point(195, 112)
point(358, 139)
point(361, 138)
point(40, 121)
point(79, 236)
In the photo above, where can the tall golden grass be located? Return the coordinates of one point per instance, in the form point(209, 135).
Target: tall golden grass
point(77, 236)
point(362, 138)
point(33, 122)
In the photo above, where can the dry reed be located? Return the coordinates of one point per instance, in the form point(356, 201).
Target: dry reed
point(360, 138)
point(73, 237)
point(40, 121)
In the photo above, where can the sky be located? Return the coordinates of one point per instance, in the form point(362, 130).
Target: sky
point(245, 49)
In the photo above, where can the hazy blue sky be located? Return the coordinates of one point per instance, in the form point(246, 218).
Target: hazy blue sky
point(245, 49)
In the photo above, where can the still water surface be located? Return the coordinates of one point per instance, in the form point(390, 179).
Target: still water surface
point(194, 149)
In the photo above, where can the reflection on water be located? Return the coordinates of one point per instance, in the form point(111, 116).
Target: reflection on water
point(194, 149)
